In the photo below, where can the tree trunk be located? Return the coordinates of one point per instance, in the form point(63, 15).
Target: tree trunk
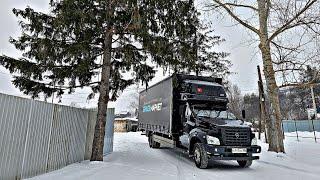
point(276, 135)
point(275, 128)
point(99, 132)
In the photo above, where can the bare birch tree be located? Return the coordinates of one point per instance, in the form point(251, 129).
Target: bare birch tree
point(272, 22)
point(235, 100)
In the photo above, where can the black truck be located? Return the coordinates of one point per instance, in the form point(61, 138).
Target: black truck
point(190, 113)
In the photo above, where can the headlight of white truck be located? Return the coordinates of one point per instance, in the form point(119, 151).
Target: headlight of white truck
point(254, 142)
point(213, 140)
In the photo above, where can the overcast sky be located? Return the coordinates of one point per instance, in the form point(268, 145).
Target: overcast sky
point(243, 56)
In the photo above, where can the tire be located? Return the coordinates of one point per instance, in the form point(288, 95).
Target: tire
point(152, 143)
point(245, 164)
point(200, 156)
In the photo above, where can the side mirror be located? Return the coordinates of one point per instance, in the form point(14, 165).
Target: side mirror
point(244, 114)
point(187, 112)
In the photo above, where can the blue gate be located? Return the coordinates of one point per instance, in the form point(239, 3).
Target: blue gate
point(301, 125)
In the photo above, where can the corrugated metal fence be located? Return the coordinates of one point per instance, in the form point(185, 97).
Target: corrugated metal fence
point(108, 138)
point(38, 137)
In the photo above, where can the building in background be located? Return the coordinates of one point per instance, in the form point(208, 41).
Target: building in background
point(125, 124)
point(123, 114)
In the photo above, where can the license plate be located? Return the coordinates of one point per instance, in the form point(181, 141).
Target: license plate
point(239, 150)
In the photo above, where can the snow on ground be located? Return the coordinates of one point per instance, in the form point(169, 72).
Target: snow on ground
point(133, 159)
point(302, 135)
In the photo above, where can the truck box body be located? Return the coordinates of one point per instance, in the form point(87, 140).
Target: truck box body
point(159, 104)
point(155, 107)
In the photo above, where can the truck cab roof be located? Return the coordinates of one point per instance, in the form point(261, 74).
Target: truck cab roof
point(203, 83)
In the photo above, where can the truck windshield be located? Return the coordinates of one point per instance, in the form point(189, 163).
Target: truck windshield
point(214, 114)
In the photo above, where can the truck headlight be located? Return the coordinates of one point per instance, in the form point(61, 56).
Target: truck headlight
point(254, 141)
point(213, 140)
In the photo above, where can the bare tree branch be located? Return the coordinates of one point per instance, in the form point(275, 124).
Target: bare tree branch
point(312, 82)
point(242, 5)
point(298, 85)
point(288, 69)
point(234, 16)
point(288, 24)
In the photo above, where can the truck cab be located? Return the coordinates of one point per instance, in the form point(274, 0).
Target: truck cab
point(209, 130)
point(198, 121)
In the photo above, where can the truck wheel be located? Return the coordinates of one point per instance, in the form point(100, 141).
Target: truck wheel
point(200, 156)
point(152, 143)
point(245, 164)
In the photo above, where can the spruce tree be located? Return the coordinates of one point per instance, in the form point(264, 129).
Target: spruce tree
point(62, 48)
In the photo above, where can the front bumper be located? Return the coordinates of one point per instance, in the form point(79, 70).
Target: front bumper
point(225, 152)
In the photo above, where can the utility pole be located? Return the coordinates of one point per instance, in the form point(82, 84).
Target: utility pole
point(262, 111)
point(261, 116)
point(262, 107)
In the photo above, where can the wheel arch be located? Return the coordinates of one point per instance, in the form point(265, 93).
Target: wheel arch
point(193, 141)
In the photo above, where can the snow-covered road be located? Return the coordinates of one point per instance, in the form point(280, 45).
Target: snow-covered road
point(133, 159)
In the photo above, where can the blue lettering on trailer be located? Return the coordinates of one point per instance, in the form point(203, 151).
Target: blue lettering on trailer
point(153, 107)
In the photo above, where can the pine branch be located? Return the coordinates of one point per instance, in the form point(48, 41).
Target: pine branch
point(24, 66)
point(23, 82)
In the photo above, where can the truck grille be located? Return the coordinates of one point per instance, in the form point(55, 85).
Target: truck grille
point(235, 136)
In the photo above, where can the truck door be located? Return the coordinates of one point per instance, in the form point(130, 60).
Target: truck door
point(187, 123)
